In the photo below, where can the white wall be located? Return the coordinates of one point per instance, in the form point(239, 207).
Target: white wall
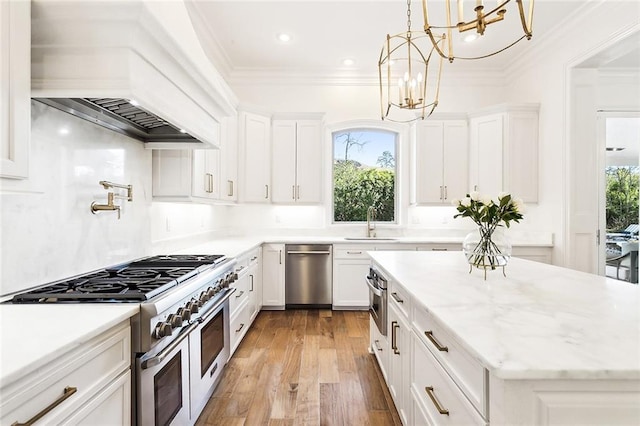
point(47, 229)
point(543, 78)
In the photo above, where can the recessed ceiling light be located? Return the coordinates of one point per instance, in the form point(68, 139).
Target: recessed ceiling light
point(470, 37)
point(348, 62)
point(63, 130)
point(284, 37)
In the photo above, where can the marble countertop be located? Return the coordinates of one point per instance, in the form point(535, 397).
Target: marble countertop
point(34, 335)
point(237, 246)
point(540, 322)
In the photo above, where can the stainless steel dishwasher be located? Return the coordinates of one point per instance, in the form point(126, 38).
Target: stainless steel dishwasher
point(308, 276)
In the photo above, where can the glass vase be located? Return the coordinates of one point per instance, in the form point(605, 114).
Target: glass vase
point(487, 249)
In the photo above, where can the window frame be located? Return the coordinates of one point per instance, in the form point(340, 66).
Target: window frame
point(401, 169)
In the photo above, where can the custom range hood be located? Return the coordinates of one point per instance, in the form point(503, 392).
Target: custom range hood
point(135, 67)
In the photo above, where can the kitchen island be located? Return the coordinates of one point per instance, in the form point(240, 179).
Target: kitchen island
point(543, 345)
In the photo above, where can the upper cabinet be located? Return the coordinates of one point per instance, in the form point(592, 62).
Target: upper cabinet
point(440, 161)
point(229, 159)
point(186, 175)
point(504, 151)
point(15, 98)
point(254, 157)
point(296, 166)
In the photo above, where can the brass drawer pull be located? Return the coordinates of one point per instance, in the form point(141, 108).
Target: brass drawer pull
point(441, 348)
point(429, 391)
point(396, 298)
point(68, 391)
point(394, 337)
point(241, 327)
point(354, 252)
point(240, 294)
point(438, 249)
point(377, 343)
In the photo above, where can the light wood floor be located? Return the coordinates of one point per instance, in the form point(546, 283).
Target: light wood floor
point(303, 367)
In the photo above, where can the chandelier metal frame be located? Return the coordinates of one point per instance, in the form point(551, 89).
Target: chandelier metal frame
point(480, 23)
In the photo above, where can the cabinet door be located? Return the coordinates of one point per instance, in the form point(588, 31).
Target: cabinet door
point(349, 287)
point(255, 157)
point(399, 362)
point(455, 160)
point(15, 88)
point(172, 173)
point(228, 184)
point(309, 162)
point(283, 149)
point(486, 154)
point(429, 163)
point(205, 173)
point(273, 275)
point(521, 155)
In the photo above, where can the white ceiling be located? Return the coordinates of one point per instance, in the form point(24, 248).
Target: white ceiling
point(243, 34)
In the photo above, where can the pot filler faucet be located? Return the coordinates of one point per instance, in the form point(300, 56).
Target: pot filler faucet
point(371, 222)
point(110, 206)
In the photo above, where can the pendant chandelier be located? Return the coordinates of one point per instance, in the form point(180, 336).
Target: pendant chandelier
point(472, 19)
point(403, 69)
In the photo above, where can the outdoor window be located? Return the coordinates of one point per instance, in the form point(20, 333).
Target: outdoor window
point(364, 175)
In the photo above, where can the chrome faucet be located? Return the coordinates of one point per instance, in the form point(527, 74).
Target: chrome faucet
point(371, 222)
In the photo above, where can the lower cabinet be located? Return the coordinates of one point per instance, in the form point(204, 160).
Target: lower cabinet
point(273, 269)
point(379, 346)
point(240, 323)
point(255, 283)
point(399, 362)
point(350, 266)
point(90, 385)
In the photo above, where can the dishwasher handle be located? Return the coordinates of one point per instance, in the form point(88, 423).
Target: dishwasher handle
point(374, 288)
point(308, 252)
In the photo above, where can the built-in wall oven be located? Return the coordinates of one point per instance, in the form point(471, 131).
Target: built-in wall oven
point(377, 284)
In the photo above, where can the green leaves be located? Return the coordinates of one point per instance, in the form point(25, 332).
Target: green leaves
point(356, 188)
point(488, 214)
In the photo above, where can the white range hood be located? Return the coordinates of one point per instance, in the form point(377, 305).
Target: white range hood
point(146, 51)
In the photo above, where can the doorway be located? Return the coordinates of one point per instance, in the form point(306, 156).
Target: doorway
point(619, 214)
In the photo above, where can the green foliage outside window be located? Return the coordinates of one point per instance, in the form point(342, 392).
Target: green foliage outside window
point(357, 187)
point(622, 196)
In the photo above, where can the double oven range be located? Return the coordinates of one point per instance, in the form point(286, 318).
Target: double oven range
point(180, 338)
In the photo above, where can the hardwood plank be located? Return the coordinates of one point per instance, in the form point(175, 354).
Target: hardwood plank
point(303, 367)
point(328, 366)
point(330, 407)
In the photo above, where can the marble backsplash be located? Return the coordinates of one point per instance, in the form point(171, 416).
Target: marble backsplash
point(48, 231)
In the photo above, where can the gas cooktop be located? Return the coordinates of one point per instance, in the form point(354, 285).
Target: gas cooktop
point(129, 282)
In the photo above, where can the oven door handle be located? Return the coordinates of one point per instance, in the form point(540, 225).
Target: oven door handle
point(215, 307)
point(148, 363)
point(373, 288)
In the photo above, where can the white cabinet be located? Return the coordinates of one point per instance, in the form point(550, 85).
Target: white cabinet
point(89, 385)
point(399, 352)
point(15, 88)
point(440, 167)
point(254, 157)
point(186, 175)
point(273, 269)
point(350, 267)
point(254, 274)
point(229, 159)
point(296, 161)
point(379, 346)
point(504, 151)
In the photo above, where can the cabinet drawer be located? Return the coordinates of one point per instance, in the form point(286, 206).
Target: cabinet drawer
point(465, 370)
point(400, 299)
point(435, 393)
point(87, 369)
point(239, 326)
point(241, 294)
point(351, 252)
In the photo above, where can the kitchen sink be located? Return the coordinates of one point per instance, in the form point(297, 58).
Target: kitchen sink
point(369, 239)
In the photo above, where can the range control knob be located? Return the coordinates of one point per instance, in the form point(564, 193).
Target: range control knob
point(211, 292)
point(203, 298)
point(185, 313)
point(162, 329)
point(192, 307)
point(174, 320)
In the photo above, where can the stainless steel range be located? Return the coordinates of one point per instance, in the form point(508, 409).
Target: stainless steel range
point(181, 336)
